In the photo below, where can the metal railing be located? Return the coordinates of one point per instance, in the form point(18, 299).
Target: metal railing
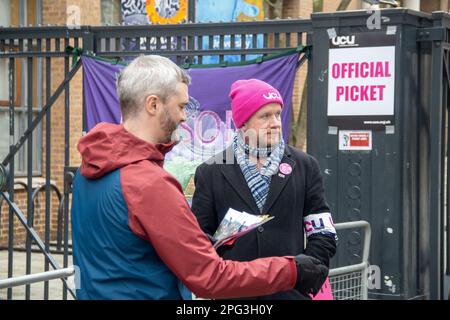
point(351, 282)
point(37, 277)
point(43, 246)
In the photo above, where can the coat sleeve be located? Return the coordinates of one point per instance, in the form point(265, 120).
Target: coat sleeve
point(317, 219)
point(203, 202)
point(159, 213)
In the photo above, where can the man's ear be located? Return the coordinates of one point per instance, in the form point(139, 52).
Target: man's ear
point(151, 104)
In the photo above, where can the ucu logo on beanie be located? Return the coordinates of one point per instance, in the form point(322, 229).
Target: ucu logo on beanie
point(248, 96)
point(272, 95)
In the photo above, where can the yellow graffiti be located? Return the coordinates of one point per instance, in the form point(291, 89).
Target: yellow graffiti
point(257, 3)
point(179, 17)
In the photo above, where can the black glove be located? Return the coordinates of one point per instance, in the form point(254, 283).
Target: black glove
point(311, 274)
point(322, 247)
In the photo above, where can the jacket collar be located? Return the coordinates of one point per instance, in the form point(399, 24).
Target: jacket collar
point(233, 174)
point(279, 181)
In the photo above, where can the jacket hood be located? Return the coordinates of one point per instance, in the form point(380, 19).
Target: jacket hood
point(108, 147)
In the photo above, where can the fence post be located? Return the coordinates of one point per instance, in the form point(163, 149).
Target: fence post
point(88, 45)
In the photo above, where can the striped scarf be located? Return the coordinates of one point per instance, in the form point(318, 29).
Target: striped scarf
point(258, 181)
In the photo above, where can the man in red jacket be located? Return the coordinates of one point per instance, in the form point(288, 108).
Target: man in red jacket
point(134, 235)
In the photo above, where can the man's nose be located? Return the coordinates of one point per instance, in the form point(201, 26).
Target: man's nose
point(183, 116)
point(275, 121)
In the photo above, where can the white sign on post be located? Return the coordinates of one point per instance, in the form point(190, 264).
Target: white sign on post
point(361, 81)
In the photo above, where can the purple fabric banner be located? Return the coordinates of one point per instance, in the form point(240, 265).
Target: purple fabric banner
point(209, 125)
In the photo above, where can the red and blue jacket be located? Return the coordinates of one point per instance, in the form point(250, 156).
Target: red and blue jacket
point(134, 235)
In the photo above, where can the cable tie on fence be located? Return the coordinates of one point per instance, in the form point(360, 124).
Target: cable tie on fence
point(307, 51)
point(75, 52)
point(186, 65)
point(300, 48)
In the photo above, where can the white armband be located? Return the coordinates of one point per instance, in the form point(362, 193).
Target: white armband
point(319, 223)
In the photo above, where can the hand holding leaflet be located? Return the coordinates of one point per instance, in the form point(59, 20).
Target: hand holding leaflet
point(236, 224)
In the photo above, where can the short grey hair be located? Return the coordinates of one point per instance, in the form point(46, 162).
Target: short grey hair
point(144, 76)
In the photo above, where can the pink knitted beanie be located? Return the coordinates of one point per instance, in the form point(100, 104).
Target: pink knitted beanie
point(248, 96)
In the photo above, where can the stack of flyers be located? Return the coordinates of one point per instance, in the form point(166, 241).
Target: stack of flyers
point(236, 224)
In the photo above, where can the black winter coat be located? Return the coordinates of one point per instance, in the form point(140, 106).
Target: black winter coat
point(220, 186)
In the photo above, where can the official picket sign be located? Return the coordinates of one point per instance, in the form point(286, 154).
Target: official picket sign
point(361, 81)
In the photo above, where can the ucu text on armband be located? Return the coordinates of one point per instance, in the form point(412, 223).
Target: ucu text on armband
point(319, 223)
point(271, 96)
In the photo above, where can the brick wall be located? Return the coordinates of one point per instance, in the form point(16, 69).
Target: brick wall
point(434, 5)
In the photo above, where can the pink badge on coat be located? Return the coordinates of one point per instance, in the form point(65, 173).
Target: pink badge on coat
point(285, 168)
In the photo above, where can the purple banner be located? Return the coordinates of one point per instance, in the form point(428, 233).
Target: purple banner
point(209, 126)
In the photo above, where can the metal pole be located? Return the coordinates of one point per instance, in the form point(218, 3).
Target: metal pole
point(347, 269)
point(191, 10)
point(30, 209)
point(48, 85)
point(66, 164)
point(12, 89)
point(38, 277)
point(446, 209)
point(436, 115)
point(88, 45)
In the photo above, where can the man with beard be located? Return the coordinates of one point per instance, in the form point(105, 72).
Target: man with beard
point(265, 176)
point(133, 233)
